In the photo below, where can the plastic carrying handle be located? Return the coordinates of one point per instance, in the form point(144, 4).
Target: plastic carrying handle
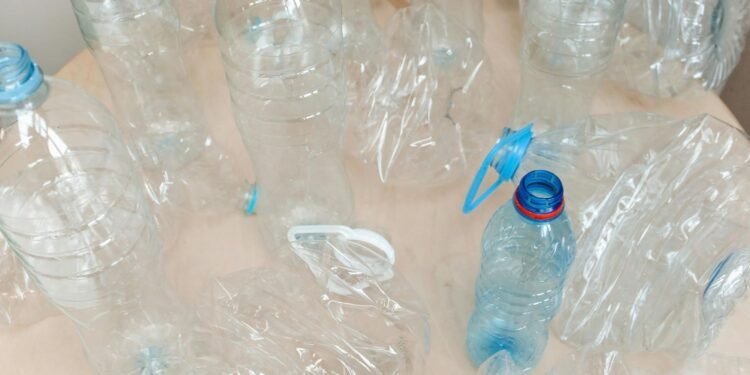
point(380, 271)
point(360, 235)
point(504, 158)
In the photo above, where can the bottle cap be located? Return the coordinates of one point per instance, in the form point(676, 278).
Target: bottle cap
point(20, 76)
point(504, 158)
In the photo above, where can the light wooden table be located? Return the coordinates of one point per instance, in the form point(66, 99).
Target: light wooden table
point(438, 247)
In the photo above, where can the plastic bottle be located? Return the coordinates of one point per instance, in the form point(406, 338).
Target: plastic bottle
point(565, 51)
point(76, 215)
point(283, 63)
point(139, 48)
point(673, 47)
point(660, 213)
point(527, 248)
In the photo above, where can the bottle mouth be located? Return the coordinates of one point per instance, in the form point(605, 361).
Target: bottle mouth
point(20, 76)
point(539, 196)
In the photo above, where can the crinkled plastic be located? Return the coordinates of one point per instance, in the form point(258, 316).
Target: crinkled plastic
point(672, 47)
point(21, 303)
point(429, 107)
point(499, 364)
point(333, 306)
point(363, 46)
point(616, 363)
point(661, 210)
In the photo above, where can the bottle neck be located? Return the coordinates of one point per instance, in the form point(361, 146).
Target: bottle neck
point(539, 196)
point(21, 80)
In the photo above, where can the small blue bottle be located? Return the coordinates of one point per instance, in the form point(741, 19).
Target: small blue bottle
point(527, 249)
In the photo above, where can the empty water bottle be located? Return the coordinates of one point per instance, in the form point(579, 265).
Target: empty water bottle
point(138, 45)
point(74, 211)
point(527, 248)
point(660, 213)
point(566, 49)
point(283, 63)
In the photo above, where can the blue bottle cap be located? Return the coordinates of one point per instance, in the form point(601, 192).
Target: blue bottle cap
point(20, 76)
point(504, 158)
point(539, 196)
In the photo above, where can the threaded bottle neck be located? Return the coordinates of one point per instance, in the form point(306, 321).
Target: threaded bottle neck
point(539, 196)
point(20, 77)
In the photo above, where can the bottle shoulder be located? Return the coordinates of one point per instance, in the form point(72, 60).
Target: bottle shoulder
point(507, 228)
point(60, 102)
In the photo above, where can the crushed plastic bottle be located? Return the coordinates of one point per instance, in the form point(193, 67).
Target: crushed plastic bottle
point(283, 63)
point(430, 107)
point(527, 248)
point(138, 47)
point(670, 48)
point(73, 209)
point(335, 305)
point(660, 261)
point(566, 48)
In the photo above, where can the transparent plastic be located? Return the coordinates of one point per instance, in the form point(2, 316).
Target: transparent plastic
point(363, 47)
point(138, 45)
point(73, 209)
point(327, 309)
point(21, 302)
point(499, 364)
point(283, 62)
point(468, 13)
point(566, 48)
point(525, 258)
point(660, 213)
point(430, 107)
point(616, 363)
point(670, 48)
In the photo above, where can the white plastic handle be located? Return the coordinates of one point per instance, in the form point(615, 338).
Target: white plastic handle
point(361, 235)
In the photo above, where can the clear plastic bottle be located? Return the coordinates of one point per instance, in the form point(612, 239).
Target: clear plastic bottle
point(283, 62)
point(76, 215)
point(673, 47)
point(565, 51)
point(138, 46)
point(660, 213)
point(527, 248)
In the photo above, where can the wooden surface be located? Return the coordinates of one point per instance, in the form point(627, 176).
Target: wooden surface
point(438, 247)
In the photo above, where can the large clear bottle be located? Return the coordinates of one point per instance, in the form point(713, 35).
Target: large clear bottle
point(527, 248)
point(565, 50)
point(73, 209)
point(138, 45)
point(283, 62)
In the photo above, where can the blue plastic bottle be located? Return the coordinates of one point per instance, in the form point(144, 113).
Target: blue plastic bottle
point(527, 248)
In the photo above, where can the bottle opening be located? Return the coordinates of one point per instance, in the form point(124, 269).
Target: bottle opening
point(539, 196)
point(20, 77)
